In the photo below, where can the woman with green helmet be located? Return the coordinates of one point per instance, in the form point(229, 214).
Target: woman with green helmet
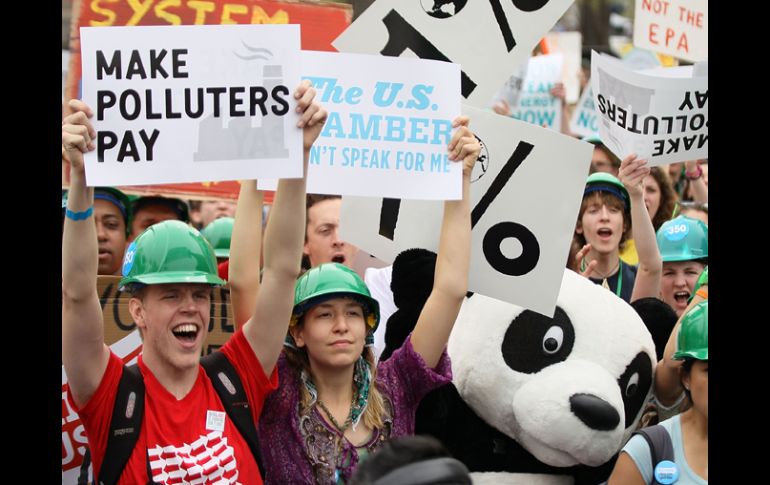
point(169, 271)
point(604, 224)
point(684, 248)
point(335, 405)
point(687, 433)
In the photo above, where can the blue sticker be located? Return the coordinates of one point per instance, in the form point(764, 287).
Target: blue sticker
point(128, 259)
point(666, 472)
point(676, 232)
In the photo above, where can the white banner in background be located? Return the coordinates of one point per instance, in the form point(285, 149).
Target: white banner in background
point(525, 196)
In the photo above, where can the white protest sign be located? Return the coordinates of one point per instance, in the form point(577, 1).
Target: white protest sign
point(525, 196)
point(389, 124)
point(487, 38)
point(675, 27)
point(662, 119)
point(536, 105)
point(585, 119)
point(192, 103)
point(511, 90)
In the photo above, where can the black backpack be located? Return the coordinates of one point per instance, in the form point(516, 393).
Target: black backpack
point(128, 412)
point(661, 447)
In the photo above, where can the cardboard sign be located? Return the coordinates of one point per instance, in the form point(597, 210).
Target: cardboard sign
point(121, 335)
point(487, 38)
point(192, 103)
point(675, 27)
point(525, 196)
point(662, 119)
point(389, 124)
point(536, 105)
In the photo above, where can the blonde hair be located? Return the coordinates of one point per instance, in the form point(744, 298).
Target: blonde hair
point(375, 412)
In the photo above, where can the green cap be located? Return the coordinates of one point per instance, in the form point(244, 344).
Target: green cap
point(693, 338)
point(606, 182)
point(170, 252)
point(218, 233)
point(333, 280)
point(119, 199)
point(683, 239)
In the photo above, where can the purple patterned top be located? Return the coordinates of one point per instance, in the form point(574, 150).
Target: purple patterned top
point(306, 450)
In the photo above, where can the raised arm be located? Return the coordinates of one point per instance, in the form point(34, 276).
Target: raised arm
point(668, 387)
point(245, 251)
point(450, 283)
point(84, 353)
point(284, 237)
point(694, 174)
point(647, 283)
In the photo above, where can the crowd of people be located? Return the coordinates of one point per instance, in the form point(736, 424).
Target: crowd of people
point(309, 327)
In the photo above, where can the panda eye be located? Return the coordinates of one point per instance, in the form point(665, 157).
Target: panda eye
point(553, 339)
point(633, 385)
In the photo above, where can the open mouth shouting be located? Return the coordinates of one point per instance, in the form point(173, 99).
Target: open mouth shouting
point(681, 297)
point(186, 333)
point(339, 258)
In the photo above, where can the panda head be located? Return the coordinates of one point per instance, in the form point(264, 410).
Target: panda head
point(570, 389)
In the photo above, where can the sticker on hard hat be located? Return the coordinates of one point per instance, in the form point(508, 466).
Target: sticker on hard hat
point(128, 259)
point(676, 232)
point(666, 472)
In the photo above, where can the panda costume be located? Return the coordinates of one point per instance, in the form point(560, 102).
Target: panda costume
point(538, 400)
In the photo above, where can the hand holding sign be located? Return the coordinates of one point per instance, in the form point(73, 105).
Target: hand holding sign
point(77, 135)
point(313, 114)
point(464, 145)
point(632, 172)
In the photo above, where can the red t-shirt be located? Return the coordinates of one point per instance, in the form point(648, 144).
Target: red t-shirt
point(186, 439)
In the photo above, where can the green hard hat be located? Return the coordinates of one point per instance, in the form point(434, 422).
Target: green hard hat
point(218, 233)
point(693, 338)
point(169, 252)
point(593, 139)
point(333, 280)
point(683, 239)
point(606, 182)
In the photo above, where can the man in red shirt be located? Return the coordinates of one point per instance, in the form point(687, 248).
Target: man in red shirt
point(170, 271)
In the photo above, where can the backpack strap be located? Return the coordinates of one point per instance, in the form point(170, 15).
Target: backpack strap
point(661, 447)
point(233, 396)
point(125, 425)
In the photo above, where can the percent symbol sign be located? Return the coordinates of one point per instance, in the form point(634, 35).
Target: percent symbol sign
point(495, 235)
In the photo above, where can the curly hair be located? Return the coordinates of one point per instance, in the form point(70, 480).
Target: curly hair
point(668, 197)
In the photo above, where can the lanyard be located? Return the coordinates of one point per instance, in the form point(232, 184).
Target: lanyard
point(619, 287)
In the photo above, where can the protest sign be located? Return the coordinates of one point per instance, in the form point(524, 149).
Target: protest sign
point(389, 124)
point(536, 105)
point(661, 119)
point(585, 119)
point(525, 196)
point(489, 39)
point(570, 45)
point(191, 103)
point(675, 27)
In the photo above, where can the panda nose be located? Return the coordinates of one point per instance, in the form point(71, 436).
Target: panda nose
point(594, 411)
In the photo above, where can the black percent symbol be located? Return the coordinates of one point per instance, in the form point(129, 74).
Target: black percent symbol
point(495, 235)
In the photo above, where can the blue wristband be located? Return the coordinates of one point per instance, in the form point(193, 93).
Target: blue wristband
point(79, 216)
